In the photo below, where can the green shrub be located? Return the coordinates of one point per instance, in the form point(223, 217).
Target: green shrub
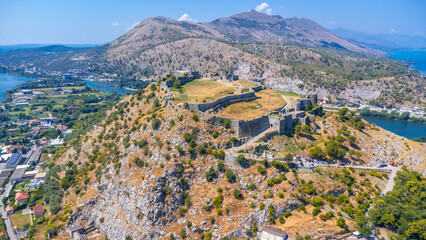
point(210, 174)
point(237, 194)
point(230, 175)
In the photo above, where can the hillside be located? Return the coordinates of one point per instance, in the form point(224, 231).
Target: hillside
point(153, 168)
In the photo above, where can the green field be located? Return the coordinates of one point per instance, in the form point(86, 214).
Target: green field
point(50, 89)
point(289, 94)
point(245, 83)
point(19, 220)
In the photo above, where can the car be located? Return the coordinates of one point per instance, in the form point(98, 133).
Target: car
point(383, 165)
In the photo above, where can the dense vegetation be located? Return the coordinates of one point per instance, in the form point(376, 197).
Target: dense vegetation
point(403, 210)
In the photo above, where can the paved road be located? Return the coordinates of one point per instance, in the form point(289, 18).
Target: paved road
point(8, 224)
point(6, 220)
point(391, 182)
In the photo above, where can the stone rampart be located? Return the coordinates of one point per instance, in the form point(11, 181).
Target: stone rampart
point(256, 89)
point(223, 102)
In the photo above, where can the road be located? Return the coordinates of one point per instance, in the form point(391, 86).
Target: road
point(391, 182)
point(6, 220)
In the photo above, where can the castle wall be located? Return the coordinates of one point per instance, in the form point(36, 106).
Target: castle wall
point(223, 102)
point(252, 127)
point(256, 89)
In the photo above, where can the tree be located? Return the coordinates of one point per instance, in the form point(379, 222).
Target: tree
point(317, 152)
point(237, 194)
point(182, 233)
point(230, 175)
point(333, 149)
point(342, 114)
point(261, 170)
point(297, 128)
point(306, 129)
point(416, 230)
point(317, 202)
point(176, 84)
point(352, 139)
point(342, 223)
point(221, 165)
point(340, 139)
point(155, 123)
point(210, 174)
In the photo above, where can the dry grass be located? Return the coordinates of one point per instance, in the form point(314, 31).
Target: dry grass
point(269, 100)
point(201, 90)
point(244, 83)
point(19, 220)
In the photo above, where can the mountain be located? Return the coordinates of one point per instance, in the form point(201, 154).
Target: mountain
point(291, 54)
point(383, 42)
point(259, 27)
point(245, 27)
point(6, 48)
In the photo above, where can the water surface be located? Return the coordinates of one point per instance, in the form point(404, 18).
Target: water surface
point(8, 82)
point(108, 87)
point(403, 128)
point(416, 57)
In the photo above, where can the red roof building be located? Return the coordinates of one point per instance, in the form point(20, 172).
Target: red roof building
point(21, 197)
point(11, 148)
point(71, 108)
point(9, 210)
point(61, 128)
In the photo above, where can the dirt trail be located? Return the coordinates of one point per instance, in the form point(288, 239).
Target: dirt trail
point(252, 142)
point(288, 100)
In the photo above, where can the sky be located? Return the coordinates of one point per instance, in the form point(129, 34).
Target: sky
point(101, 21)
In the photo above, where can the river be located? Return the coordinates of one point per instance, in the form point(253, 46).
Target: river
point(7, 82)
point(108, 87)
point(403, 128)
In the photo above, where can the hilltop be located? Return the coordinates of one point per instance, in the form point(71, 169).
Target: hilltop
point(153, 169)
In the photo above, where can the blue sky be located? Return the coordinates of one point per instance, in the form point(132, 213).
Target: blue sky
point(100, 21)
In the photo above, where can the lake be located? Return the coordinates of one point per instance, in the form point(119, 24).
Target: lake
point(108, 87)
point(403, 128)
point(8, 82)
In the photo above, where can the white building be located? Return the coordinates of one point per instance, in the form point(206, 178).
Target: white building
point(269, 233)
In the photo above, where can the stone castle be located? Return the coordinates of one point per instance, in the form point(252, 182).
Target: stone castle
point(282, 120)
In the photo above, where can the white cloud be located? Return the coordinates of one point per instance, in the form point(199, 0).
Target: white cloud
point(332, 22)
point(393, 30)
point(261, 7)
point(134, 25)
point(185, 17)
point(269, 11)
point(115, 24)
